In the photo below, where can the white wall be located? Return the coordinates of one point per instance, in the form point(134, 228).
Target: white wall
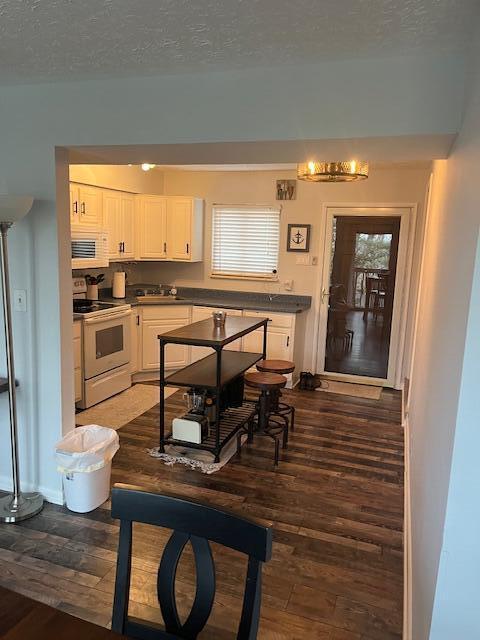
point(444, 415)
point(386, 184)
point(361, 98)
point(121, 177)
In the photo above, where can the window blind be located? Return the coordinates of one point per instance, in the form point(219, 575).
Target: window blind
point(245, 241)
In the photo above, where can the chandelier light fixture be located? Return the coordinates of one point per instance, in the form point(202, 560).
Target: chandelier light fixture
point(332, 171)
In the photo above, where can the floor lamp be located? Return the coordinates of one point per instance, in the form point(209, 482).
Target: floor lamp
point(14, 506)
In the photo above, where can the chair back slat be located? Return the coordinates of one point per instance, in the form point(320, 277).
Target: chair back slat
point(196, 524)
point(205, 588)
point(172, 512)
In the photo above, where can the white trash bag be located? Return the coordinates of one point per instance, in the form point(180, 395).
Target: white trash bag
point(84, 456)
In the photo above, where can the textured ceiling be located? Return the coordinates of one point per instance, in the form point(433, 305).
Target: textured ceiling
point(70, 39)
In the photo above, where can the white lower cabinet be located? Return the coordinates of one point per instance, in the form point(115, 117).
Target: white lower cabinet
point(285, 337)
point(136, 321)
point(155, 321)
point(77, 360)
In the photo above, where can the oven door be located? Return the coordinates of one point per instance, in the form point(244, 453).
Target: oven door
point(106, 342)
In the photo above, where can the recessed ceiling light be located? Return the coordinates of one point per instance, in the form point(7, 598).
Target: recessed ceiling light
point(146, 166)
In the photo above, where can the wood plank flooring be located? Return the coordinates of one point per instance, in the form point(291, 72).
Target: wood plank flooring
point(335, 503)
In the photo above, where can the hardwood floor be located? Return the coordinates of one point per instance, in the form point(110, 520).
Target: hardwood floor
point(335, 502)
point(369, 353)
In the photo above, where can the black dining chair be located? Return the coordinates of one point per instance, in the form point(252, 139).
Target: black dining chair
point(198, 524)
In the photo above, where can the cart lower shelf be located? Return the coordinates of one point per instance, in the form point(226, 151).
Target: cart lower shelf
point(231, 421)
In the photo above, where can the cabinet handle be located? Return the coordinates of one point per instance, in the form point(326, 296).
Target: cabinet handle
point(123, 247)
point(119, 247)
point(164, 247)
point(188, 246)
point(75, 207)
point(82, 208)
point(138, 321)
point(288, 341)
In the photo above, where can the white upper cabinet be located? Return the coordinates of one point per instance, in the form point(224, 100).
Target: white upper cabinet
point(140, 227)
point(171, 228)
point(184, 229)
point(152, 228)
point(119, 221)
point(86, 209)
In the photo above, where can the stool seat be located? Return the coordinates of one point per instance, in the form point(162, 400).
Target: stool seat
point(265, 381)
point(276, 366)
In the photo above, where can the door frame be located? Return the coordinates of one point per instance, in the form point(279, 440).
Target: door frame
point(407, 212)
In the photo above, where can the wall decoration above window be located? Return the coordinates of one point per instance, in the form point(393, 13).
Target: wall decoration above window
point(286, 189)
point(298, 237)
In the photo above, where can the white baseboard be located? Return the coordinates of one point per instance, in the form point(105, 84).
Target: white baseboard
point(50, 495)
point(407, 538)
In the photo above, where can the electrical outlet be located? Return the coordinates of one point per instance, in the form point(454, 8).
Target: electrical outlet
point(20, 300)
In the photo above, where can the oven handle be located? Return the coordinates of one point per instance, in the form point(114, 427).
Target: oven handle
point(115, 315)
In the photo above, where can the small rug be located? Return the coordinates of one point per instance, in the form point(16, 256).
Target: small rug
point(194, 458)
point(351, 389)
point(124, 407)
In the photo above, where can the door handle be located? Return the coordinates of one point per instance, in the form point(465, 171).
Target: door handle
point(325, 294)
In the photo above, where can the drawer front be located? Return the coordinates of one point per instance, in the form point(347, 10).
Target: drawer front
point(280, 320)
point(167, 312)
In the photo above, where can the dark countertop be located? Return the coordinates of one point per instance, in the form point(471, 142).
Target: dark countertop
point(281, 303)
point(203, 333)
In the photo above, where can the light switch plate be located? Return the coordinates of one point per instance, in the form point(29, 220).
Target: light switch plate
point(20, 300)
point(304, 260)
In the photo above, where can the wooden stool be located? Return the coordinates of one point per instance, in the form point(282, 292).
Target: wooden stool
point(283, 367)
point(267, 421)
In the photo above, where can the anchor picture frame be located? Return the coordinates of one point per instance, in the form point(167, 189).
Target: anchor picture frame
point(298, 237)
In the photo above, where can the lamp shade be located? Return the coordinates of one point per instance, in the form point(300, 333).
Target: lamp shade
point(14, 208)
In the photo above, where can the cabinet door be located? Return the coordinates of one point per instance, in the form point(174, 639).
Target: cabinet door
point(74, 205)
point(90, 207)
point(152, 228)
point(127, 210)
point(179, 228)
point(279, 343)
point(134, 339)
point(113, 223)
point(176, 355)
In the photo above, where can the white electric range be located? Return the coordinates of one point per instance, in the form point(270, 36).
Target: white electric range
point(106, 345)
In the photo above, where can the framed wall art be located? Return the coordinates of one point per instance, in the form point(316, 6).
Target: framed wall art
point(286, 189)
point(298, 237)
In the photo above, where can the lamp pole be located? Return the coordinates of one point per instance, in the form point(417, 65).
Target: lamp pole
point(15, 506)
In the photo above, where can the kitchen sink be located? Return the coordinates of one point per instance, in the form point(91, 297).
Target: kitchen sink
point(156, 299)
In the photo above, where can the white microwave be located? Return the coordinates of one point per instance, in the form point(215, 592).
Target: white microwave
point(89, 249)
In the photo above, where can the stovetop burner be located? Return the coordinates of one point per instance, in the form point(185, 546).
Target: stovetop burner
point(88, 306)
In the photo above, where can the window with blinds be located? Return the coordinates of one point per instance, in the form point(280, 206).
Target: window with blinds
point(245, 241)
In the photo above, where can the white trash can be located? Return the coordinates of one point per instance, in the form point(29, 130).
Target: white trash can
point(84, 457)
